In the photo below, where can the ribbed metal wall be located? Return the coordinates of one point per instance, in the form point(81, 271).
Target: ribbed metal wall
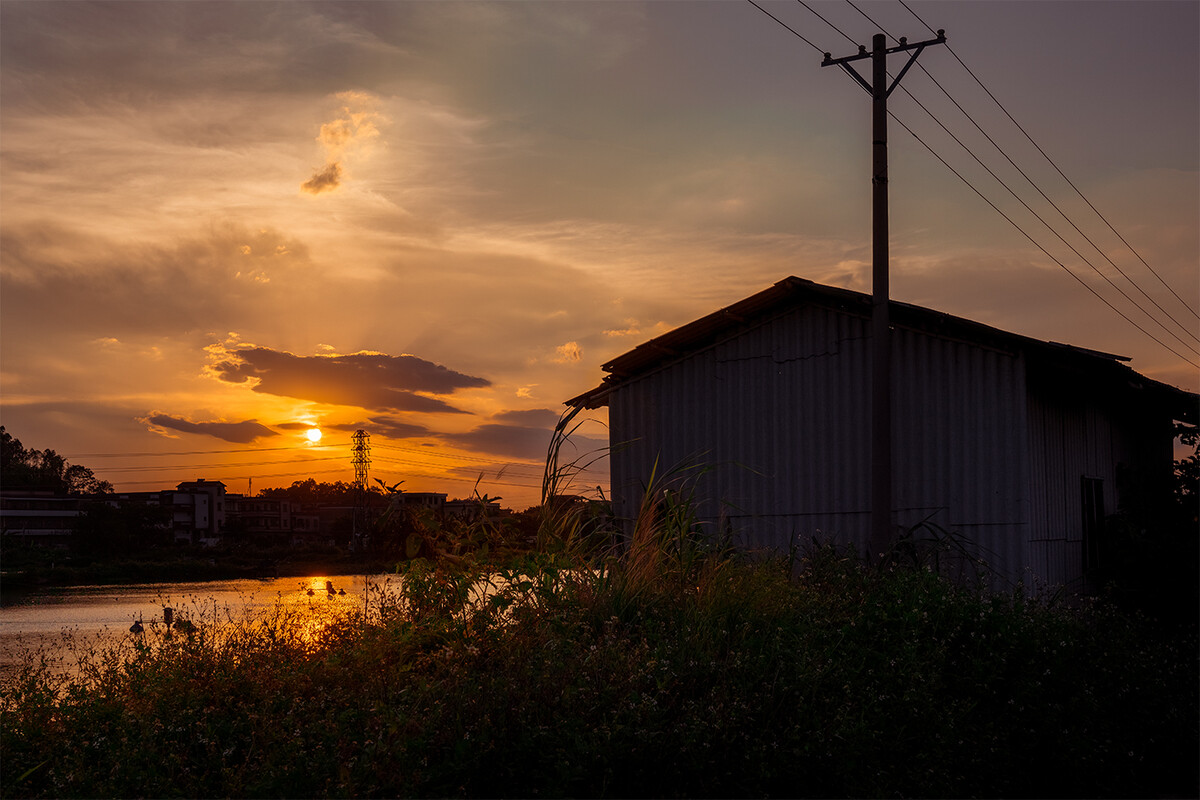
point(1076, 433)
point(960, 446)
point(779, 416)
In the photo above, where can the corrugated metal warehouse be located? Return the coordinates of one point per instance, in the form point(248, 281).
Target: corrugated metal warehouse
point(1016, 446)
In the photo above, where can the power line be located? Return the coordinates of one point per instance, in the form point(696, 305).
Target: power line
point(1012, 222)
point(876, 24)
point(195, 467)
point(500, 468)
point(827, 22)
point(1046, 197)
point(1035, 243)
point(203, 452)
point(1055, 206)
point(784, 24)
point(1052, 163)
point(1051, 228)
point(309, 473)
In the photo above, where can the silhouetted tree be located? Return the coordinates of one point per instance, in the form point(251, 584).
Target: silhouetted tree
point(312, 493)
point(22, 468)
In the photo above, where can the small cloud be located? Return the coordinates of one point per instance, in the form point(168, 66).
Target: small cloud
point(346, 138)
point(526, 392)
point(632, 329)
point(245, 249)
point(571, 351)
point(325, 180)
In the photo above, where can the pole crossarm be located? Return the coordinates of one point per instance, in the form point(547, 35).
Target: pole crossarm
point(904, 46)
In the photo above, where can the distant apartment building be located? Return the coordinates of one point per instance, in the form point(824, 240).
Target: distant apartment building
point(202, 513)
point(471, 510)
point(433, 501)
point(38, 517)
point(258, 515)
point(198, 511)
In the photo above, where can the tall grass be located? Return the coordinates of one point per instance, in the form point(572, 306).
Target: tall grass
point(668, 667)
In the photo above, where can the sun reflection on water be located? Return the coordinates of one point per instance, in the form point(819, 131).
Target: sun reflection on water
point(66, 629)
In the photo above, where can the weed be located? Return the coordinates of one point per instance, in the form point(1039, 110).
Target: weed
point(670, 667)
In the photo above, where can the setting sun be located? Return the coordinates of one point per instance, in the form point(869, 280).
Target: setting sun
point(313, 435)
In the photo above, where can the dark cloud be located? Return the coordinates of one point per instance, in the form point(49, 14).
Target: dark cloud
point(383, 426)
point(238, 432)
point(367, 380)
point(509, 441)
point(518, 434)
point(531, 418)
point(325, 180)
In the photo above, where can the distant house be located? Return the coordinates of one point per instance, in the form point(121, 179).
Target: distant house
point(198, 511)
point(38, 518)
point(1019, 447)
point(258, 516)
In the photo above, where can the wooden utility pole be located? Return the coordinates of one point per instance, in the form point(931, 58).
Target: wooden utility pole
point(881, 330)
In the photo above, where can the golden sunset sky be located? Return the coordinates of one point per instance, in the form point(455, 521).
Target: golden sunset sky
point(223, 224)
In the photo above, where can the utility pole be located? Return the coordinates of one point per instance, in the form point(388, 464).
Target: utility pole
point(881, 331)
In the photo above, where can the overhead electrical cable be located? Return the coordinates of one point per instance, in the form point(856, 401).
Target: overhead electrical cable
point(193, 467)
point(1059, 171)
point(784, 24)
point(503, 469)
point(1081, 282)
point(205, 452)
point(1046, 197)
point(827, 22)
point(997, 209)
point(1049, 227)
point(876, 24)
point(1055, 206)
point(424, 464)
point(309, 473)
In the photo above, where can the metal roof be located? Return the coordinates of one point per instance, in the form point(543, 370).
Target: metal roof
point(792, 292)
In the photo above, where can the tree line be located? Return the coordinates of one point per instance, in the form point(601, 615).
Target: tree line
point(22, 468)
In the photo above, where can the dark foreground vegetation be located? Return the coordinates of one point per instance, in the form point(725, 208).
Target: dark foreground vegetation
point(670, 671)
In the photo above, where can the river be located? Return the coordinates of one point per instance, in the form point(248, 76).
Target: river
point(63, 622)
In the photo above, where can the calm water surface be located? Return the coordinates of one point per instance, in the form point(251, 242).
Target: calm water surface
point(59, 620)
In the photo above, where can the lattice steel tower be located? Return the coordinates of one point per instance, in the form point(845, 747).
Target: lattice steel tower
point(362, 458)
point(362, 462)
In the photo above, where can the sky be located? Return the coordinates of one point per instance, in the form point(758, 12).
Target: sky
point(224, 224)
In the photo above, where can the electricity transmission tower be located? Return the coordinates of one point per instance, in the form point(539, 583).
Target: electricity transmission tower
point(881, 337)
point(362, 462)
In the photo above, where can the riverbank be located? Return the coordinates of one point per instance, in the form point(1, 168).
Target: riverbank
point(24, 572)
point(677, 674)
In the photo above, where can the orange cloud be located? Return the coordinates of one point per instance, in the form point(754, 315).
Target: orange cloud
point(344, 137)
point(569, 352)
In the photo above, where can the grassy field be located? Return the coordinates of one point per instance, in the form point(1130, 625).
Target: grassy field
point(671, 670)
